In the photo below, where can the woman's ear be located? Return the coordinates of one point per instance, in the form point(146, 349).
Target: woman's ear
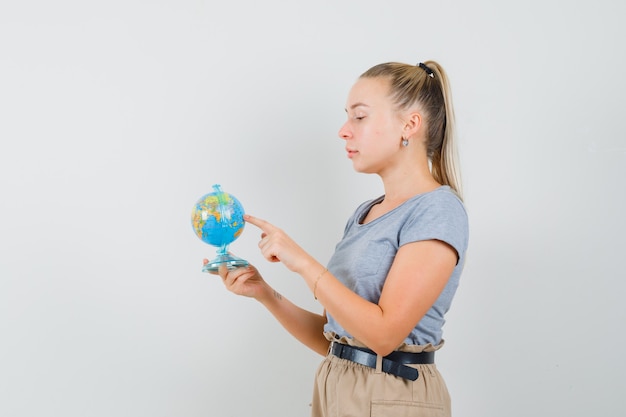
point(413, 124)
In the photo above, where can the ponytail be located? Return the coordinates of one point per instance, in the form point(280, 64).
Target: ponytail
point(444, 158)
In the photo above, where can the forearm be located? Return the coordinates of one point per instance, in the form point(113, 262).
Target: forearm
point(362, 319)
point(305, 326)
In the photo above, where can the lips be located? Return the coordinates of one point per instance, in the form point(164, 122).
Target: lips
point(351, 152)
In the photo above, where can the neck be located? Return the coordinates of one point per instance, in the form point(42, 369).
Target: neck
point(402, 184)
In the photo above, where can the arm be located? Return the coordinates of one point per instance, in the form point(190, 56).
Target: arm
point(305, 326)
point(417, 276)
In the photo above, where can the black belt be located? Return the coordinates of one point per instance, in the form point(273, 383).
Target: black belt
point(394, 363)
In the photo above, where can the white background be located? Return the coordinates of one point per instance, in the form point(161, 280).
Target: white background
point(115, 117)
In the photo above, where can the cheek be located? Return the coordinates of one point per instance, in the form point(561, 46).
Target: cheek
point(372, 131)
point(383, 134)
point(386, 129)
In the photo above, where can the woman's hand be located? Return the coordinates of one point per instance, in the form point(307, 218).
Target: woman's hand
point(245, 281)
point(276, 246)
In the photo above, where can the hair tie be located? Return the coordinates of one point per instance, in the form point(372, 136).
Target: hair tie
point(430, 72)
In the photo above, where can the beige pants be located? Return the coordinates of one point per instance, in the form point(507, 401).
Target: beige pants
point(346, 389)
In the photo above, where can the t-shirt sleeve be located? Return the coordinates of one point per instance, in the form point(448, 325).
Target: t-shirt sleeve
point(442, 218)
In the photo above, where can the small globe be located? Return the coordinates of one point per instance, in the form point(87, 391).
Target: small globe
point(217, 219)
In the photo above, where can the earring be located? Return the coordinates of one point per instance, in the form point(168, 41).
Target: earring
point(405, 142)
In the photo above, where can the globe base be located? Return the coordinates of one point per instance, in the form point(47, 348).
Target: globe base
point(230, 261)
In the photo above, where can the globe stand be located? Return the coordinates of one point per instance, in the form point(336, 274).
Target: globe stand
point(224, 258)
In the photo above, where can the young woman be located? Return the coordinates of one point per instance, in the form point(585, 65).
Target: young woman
point(393, 275)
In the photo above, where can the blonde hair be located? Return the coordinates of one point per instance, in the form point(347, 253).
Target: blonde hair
point(427, 85)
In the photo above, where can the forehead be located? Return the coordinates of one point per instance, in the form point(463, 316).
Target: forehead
point(371, 92)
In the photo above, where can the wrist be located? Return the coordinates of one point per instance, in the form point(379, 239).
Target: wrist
point(317, 280)
point(309, 267)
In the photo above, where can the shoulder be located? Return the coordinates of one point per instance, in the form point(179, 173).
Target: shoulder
point(441, 202)
point(441, 197)
point(439, 214)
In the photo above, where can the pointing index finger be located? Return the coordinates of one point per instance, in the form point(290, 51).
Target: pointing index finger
point(260, 223)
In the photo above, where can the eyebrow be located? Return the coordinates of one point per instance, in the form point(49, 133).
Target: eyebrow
point(355, 105)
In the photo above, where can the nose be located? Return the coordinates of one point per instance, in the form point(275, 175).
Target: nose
point(344, 131)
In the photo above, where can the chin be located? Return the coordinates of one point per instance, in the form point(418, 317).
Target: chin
point(363, 170)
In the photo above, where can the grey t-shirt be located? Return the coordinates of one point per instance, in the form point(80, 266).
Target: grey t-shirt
point(364, 256)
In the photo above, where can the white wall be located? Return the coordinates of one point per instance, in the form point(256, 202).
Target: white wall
point(116, 116)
